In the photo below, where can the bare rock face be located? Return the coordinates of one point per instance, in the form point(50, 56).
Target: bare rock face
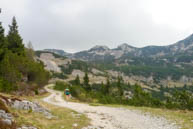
point(48, 60)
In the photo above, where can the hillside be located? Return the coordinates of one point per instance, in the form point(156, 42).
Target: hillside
point(20, 73)
point(153, 65)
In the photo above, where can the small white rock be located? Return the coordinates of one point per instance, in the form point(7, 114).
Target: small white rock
point(75, 125)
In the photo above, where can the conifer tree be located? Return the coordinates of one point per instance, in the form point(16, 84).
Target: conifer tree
point(102, 88)
point(119, 79)
point(2, 41)
point(77, 80)
point(2, 36)
point(14, 39)
point(86, 82)
point(107, 87)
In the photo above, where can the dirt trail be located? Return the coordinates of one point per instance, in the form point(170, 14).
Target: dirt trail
point(111, 118)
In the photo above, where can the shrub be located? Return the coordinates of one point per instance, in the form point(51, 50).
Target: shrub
point(61, 86)
point(180, 100)
point(6, 86)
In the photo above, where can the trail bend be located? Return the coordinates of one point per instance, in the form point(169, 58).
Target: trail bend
point(109, 117)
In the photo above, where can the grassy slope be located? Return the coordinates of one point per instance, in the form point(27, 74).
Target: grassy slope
point(65, 118)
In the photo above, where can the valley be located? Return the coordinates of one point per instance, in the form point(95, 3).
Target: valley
point(125, 87)
point(155, 68)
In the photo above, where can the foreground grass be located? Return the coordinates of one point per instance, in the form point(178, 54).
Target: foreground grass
point(65, 118)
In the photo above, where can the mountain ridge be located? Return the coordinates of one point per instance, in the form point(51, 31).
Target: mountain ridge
point(94, 53)
point(161, 62)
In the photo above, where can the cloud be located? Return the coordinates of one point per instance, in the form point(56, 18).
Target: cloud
point(75, 25)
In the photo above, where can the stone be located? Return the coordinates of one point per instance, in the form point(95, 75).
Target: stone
point(75, 125)
point(27, 127)
point(2, 111)
point(4, 115)
point(7, 121)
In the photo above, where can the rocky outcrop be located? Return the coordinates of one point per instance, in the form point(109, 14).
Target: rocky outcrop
point(6, 118)
point(34, 107)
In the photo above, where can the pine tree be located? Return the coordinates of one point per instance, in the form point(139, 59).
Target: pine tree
point(119, 79)
point(14, 39)
point(8, 70)
point(102, 88)
point(77, 80)
point(107, 87)
point(2, 36)
point(2, 41)
point(86, 82)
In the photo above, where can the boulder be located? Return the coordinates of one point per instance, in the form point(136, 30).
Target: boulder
point(35, 107)
point(6, 118)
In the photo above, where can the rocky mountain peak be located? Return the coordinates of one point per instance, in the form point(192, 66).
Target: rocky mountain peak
point(126, 47)
point(184, 45)
point(99, 48)
point(58, 51)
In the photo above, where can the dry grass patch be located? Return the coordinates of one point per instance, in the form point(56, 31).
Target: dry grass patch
point(65, 118)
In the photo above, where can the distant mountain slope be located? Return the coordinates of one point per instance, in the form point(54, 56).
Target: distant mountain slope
point(59, 52)
point(100, 52)
point(172, 62)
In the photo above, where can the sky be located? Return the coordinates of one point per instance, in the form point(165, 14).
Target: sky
point(76, 25)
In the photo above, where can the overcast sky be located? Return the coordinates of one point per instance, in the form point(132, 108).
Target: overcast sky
point(74, 25)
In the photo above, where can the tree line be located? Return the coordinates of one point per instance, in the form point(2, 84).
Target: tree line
point(115, 92)
point(18, 68)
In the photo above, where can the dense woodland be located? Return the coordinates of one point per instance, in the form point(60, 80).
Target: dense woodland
point(18, 69)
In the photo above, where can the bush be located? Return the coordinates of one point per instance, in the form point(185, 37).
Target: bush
point(59, 75)
point(61, 86)
point(180, 100)
point(80, 93)
point(36, 92)
point(6, 86)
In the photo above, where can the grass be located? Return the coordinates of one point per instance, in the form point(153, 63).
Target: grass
point(65, 118)
point(95, 104)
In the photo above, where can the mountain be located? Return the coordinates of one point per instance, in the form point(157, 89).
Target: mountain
point(59, 52)
point(172, 62)
point(100, 52)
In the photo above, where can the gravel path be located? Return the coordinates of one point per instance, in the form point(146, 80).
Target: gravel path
point(111, 118)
